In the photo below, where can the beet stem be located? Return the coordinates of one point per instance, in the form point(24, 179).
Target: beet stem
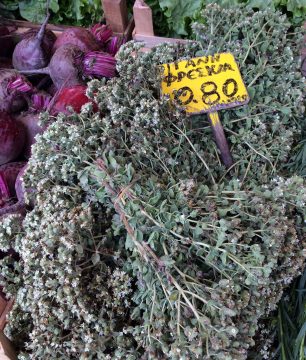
point(41, 32)
point(4, 190)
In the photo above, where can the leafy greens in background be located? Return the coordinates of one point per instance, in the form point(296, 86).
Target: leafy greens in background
point(8, 8)
point(181, 13)
point(78, 12)
point(35, 10)
point(69, 12)
point(171, 17)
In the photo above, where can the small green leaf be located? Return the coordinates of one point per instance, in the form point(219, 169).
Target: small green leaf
point(129, 243)
point(285, 110)
point(95, 258)
point(223, 258)
point(173, 296)
point(167, 261)
point(197, 232)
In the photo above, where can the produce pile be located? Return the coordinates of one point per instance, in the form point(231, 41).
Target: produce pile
point(140, 243)
point(67, 62)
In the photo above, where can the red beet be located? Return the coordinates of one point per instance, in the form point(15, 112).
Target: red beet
point(99, 64)
point(12, 138)
point(102, 33)
point(4, 192)
point(20, 190)
point(34, 50)
point(11, 99)
point(74, 97)
point(8, 176)
point(69, 66)
point(65, 68)
point(30, 121)
point(80, 37)
point(40, 100)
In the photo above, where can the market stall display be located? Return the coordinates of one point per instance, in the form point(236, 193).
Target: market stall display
point(135, 237)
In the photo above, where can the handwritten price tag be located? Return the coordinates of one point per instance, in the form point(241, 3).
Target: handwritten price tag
point(205, 84)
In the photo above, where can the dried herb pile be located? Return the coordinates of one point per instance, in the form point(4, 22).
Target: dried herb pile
point(141, 244)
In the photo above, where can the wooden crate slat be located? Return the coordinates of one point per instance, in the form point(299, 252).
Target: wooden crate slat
point(3, 319)
point(6, 348)
point(24, 26)
point(116, 15)
point(2, 304)
point(143, 18)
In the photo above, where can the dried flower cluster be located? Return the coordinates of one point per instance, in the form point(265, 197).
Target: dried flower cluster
point(141, 245)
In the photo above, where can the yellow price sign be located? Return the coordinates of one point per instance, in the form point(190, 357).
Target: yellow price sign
point(205, 84)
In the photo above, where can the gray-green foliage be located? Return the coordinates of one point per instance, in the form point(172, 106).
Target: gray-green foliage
point(141, 245)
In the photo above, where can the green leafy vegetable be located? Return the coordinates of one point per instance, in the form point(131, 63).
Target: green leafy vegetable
point(78, 12)
point(179, 12)
point(75, 12)
point(35, 10)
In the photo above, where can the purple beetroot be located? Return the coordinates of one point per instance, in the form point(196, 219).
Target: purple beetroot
point(14, 88)
point(80, 37)
point(30, 121)
point(12, 138)
point(8, 176)
point(102, 34)
point(11, 175)
point(69, 66)
point(34, 50)
point(20, 190)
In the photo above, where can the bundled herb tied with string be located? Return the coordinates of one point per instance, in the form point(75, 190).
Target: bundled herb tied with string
point(141, 245)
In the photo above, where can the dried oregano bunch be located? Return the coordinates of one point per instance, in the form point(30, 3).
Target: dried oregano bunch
point(141, 244)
